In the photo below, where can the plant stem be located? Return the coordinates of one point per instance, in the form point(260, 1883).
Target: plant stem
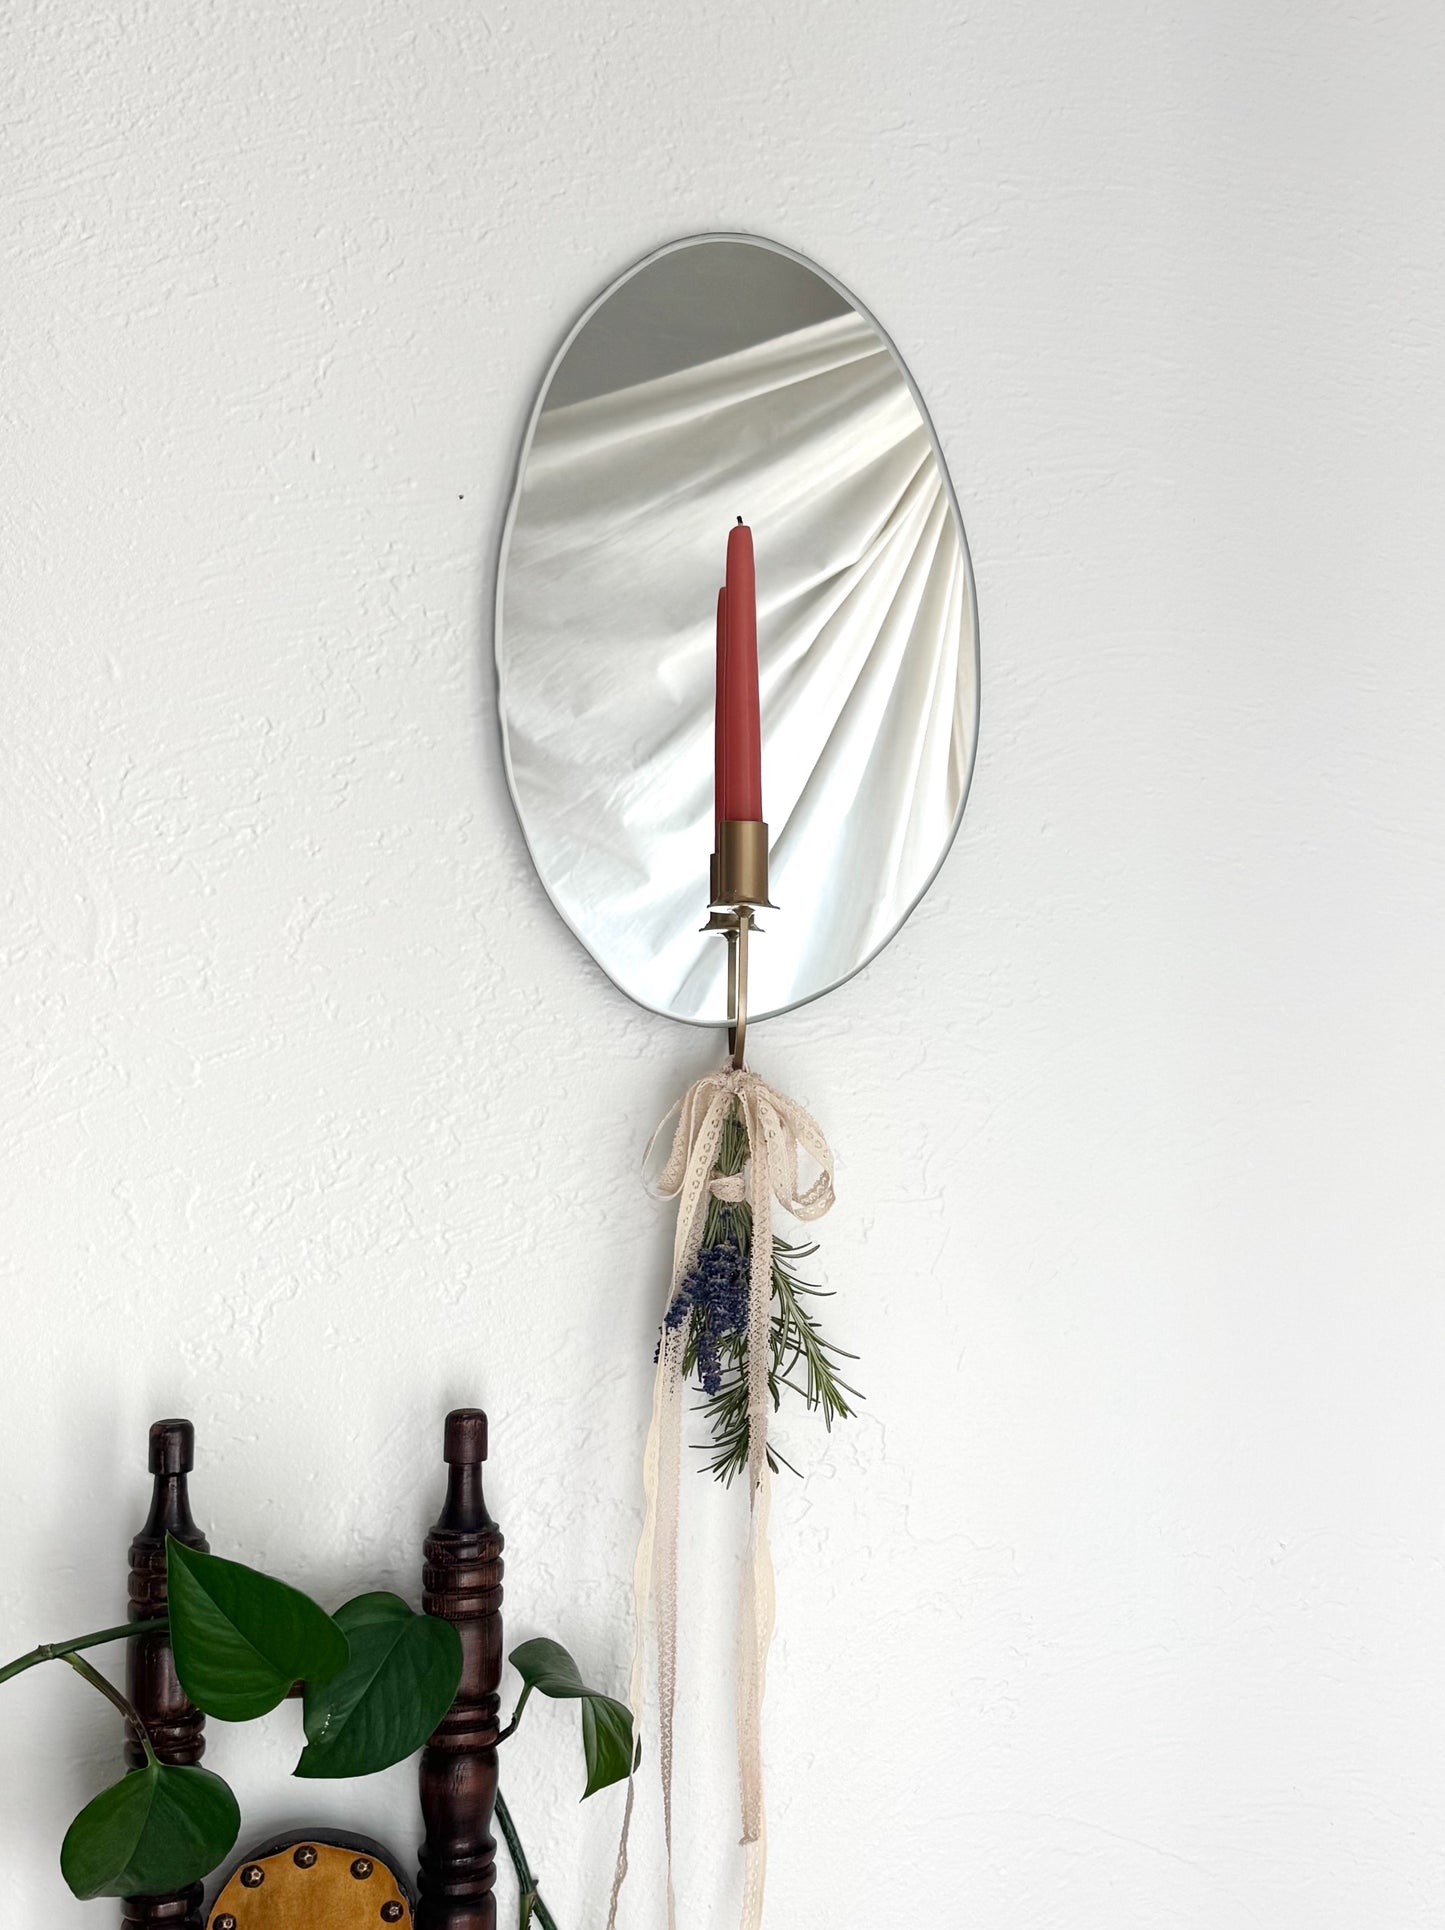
point(62, 1651)
point(113, 1694)
point(502, 1734)
point(531, 1905)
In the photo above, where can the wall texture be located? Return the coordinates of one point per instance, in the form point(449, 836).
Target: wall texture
point(1123, 1605)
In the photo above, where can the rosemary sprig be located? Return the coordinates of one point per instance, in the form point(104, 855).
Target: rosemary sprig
point(800, 1358)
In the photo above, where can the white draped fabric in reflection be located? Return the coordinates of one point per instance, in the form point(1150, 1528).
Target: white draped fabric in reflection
point(867, 654)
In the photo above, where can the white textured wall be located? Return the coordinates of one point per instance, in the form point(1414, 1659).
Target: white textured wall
point(1123, 1607)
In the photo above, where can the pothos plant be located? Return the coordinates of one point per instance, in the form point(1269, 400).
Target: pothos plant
point(375, 1679)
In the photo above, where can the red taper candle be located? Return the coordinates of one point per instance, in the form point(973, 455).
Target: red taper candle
point(720, 735)
point(740, 751)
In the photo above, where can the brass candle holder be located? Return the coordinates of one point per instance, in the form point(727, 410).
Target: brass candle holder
point(739, 884)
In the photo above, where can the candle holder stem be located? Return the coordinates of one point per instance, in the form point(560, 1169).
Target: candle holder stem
point(740, 925)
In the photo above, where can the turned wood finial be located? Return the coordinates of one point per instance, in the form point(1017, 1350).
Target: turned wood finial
point(465, 1440)
point(172, 1447)
point(462, 1581)
point(175, 1726)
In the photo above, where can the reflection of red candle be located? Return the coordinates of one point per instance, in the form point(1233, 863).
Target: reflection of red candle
point(740, 784)
point(720, 736)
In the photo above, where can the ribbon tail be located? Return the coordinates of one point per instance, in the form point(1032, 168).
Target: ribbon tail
point(654, 1584)
point(654, 1569)
point(755, 1876)
point(669, 1487)
point(756, 1616)
point(642, 1576)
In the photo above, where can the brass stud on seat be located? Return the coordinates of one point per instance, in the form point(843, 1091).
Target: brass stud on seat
point(304, 1856)
point(391, 1913)
point(362, 1867)
point(225, 1923)
point(253, 1876)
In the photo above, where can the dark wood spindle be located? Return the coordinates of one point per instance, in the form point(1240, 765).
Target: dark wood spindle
point(175, 1726)
point(462, 1580)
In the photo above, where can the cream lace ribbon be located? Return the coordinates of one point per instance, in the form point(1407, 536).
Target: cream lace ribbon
point(777, 1129)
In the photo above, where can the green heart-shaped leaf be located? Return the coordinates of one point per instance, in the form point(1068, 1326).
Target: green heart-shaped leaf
point(157, 1829)
point(401, 1680)
point(606, 1724)
point(240, 1638)
point(606, 1742)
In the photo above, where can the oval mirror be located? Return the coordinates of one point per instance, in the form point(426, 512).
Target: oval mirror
point(725, 377)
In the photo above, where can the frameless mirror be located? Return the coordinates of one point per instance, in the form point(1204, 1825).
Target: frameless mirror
point(726, 377)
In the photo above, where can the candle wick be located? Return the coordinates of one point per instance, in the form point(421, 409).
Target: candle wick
point(740, 519)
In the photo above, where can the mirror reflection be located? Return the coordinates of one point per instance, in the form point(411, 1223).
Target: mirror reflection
point(722, 378)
